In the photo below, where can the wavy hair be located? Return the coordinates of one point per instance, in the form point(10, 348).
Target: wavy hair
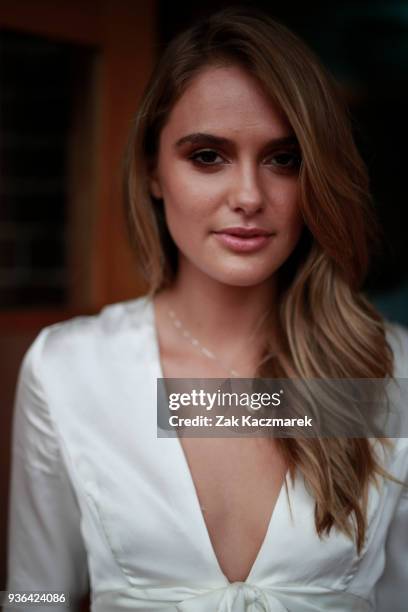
point(328, 328)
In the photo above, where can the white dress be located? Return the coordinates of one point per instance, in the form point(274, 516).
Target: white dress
point(98, 499)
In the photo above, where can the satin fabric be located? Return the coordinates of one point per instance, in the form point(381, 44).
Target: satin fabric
point(99, 501)
point(236, 597)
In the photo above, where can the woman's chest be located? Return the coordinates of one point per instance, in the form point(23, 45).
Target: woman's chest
point(237, 482)
point(138, 492)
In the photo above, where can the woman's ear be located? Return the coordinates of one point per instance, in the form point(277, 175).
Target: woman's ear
point(154, 185)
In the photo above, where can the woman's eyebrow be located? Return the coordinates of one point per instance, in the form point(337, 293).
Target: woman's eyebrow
point(211, 139)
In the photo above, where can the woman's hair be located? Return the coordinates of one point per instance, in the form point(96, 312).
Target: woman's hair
point(329, 330)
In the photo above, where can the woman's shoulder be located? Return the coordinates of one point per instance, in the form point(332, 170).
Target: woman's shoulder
point(87, 336)
point(76, 367)
point(112, 320)
point(397, 337)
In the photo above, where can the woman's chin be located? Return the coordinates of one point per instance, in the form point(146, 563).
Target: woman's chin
point(241, 278)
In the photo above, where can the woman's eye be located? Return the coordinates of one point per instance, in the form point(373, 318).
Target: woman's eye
point(285, 160)
point(206, 157)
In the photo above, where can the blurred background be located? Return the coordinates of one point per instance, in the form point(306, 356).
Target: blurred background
point(71, 74)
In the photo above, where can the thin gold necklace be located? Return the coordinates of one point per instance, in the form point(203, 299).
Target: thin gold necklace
point(203, 349)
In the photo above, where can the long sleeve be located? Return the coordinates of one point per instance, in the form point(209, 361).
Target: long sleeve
point(45, 547)
point(392, 588)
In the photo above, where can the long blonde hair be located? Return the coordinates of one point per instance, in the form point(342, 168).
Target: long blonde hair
point(329, 330)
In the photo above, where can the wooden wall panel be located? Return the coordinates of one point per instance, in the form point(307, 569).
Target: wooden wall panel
point(127, 64)
point(75, 20)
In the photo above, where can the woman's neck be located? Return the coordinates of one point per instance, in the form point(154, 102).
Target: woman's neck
point(227, 319)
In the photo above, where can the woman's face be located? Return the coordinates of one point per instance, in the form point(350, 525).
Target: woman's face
point(227, 170)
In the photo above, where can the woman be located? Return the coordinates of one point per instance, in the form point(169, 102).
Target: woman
point(249, 206)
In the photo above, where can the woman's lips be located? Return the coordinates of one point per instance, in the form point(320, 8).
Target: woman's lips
point(243, 244)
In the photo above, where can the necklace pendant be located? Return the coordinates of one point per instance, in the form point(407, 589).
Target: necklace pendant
point(207, 353)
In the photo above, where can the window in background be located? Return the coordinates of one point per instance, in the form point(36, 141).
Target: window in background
point(45, 88)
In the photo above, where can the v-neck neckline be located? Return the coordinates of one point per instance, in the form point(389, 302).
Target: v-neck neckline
point(189, 481)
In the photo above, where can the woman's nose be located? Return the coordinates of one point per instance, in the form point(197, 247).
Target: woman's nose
point(245, 191)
